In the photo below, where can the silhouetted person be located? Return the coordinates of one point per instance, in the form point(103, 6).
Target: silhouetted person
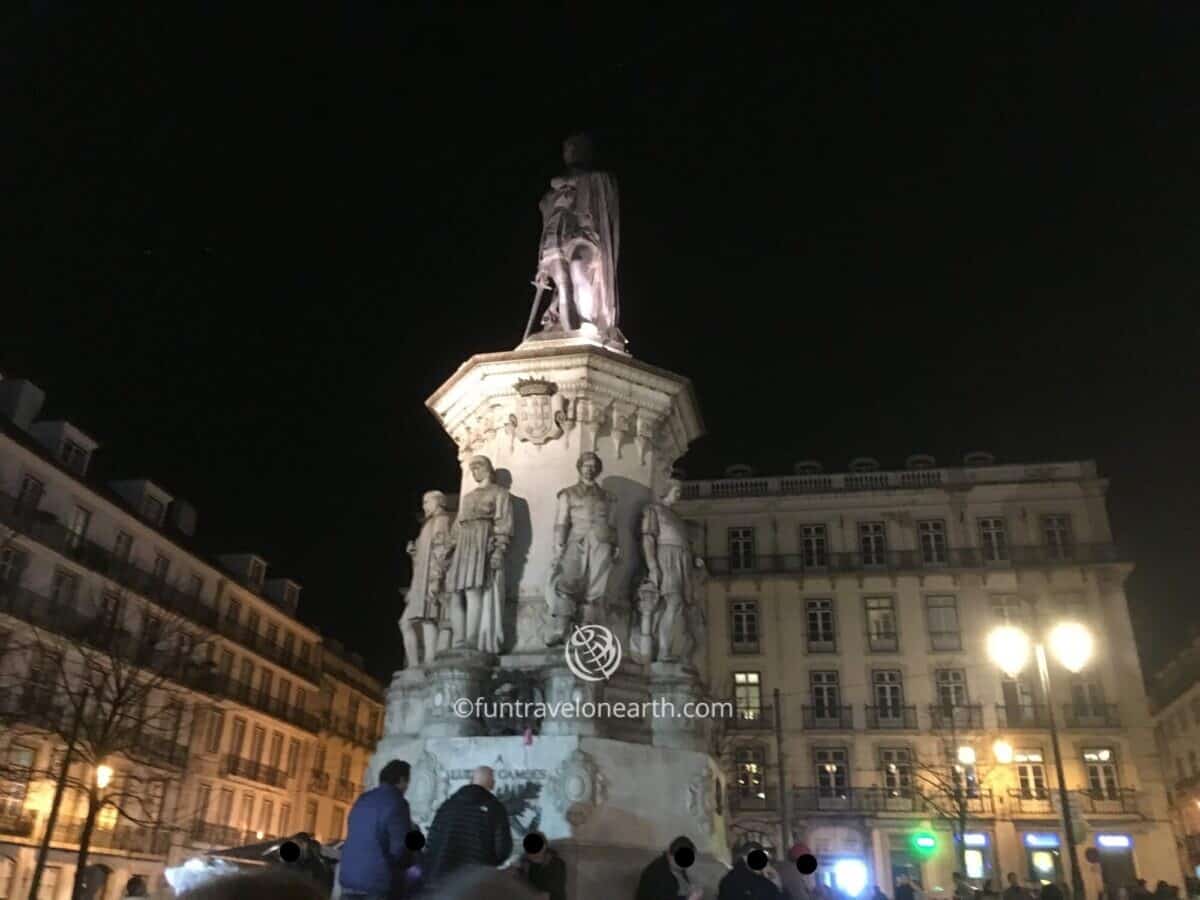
point(664, 879)
point(470, 828)
point(904, 889)
point(544, 872)
point(1051, 891)
point(374, 855)
point(744, 883)
point(136, 887)
point(1014, 891)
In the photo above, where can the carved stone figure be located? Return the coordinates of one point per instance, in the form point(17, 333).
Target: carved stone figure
point(585, 545)
point(419, 621)
point(671, 566)
point(478, 542)
point(578, 251)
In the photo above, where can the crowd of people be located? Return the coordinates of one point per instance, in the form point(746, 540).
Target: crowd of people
point(386, 857)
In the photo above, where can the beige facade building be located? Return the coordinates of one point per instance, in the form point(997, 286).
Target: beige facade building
point(1176, 693)
point(274, 725)
point(854, 608)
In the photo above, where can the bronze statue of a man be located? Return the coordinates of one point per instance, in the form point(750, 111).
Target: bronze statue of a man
point(672, 567)
point(478, 542)
point(585, 545)
point(578, 250)
point(419, 621)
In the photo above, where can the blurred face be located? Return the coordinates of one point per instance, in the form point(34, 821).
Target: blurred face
point(672, 495)
point(489, 781)
point(589, 469)
point(430, 505)
point(481, 471)
point(575, 152)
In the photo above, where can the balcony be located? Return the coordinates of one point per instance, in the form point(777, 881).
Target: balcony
point(157, 750)
point(219, 835)
point(258, 642)
point(124, 837)
point(1091, 715)
point(765, 799)
point(891, 718)
point(752, 718)
point(17, 823)
point(908, 560)
point(1022, 715)
point(345, 791)
point(828, 718)
point(318, 782)
point(254, 771)
point(963, 717)
point(351, 731)
point(884, 800)
point(1035, 802)
point(1113, 802)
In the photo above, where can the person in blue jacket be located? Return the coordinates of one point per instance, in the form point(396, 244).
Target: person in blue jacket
point(375, 854)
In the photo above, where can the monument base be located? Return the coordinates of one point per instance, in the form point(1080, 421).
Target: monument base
point(608, 806)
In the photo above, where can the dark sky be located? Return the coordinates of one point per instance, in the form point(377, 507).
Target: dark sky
point(244, 247)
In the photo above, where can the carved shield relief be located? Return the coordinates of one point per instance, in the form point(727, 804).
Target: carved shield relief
point(539, 411)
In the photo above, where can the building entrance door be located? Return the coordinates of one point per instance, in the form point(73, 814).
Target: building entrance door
point(1117, 869)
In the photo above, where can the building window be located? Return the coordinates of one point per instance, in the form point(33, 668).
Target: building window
point(30, 496)
point(743, 615)
point(832, 771)
point(10, 568)
point(65, 588)
point(257, 740)
point(813, 546)
point(881, 624)
point(81, 519)
point(750, 767)
point(1056, 532)
point(822, 637)
point(266, 681)
point(944, 630)
point(195, 585)
point(1031, 773)
point(203, 796)
point(344, 770)
point(305, 653)
point(826, 695)
point(301, 700)
point(932, 535)
point(225, 666)
point(275, 759)
point(895, 764)
point(289, 645)
point(951, 687)
point(257, 572)
point(212, 736)
point(152, 512)
point(336, 820)
point(285, 692)
point(741, 549)
point(1101, 766)
point(291, 596)
point(993, 540)
point(266, 816)
point(238, 737)
point(247, 812)
point(373, 724)
point(162, 566)
point(123, 547)
point(272, 635)
point(293, 757)
point(285, 818)
point(233, 612)
point(1008, 609)
point(310, 817)
point(747, 695)
point(225, 808)
point(1087, 699)
point(872, 543)
point(888, 688)
point(252, 623)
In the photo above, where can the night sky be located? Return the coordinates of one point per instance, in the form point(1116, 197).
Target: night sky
point(243, 247)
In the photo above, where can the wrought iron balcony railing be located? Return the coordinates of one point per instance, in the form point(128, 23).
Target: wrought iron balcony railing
point(1091, 715)
point(254, 771)
point(828, 718)
point(890, 718)
point(752, 718)
point(1022, 715)
point(962, 717)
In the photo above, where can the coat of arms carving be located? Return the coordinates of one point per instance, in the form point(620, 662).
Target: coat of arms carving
point(541, 410)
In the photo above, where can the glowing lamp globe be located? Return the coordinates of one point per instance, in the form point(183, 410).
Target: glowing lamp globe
point(1071, 644)
point(1008, 647)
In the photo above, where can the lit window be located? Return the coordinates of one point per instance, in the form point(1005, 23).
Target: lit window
point(993, 540)
point(747, 695)
point(1056, 531)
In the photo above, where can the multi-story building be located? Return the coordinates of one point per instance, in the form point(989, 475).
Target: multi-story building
point(1176, 693)
point(113, 565)
point(854, 609)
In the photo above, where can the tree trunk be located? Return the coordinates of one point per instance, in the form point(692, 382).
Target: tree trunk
point(52, 816)
point(85, 838)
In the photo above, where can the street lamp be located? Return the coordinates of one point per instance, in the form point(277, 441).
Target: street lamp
point(1003, 752)
point(1008, 646)
point(104, 776)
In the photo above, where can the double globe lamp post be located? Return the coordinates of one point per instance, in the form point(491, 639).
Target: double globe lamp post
point(1071, 643)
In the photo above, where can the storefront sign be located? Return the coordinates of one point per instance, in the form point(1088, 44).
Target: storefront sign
point(1114, 841)
point(1041, 839)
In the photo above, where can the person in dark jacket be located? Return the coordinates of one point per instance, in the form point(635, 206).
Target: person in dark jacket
point(904, 889)
point(470, 828)
point(744, 883)
point(543, 870)
point(374, 855)
point(664, 879)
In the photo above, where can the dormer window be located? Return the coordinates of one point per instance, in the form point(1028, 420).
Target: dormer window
point(290, 596)
point(152, 510)
point(257, 572)
point(73, 456)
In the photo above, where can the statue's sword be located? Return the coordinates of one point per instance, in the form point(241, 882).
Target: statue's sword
point(541, 284)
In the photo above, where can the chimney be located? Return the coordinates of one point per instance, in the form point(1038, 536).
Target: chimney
point(146, 497)
point(21, 401)
point(68, 444)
